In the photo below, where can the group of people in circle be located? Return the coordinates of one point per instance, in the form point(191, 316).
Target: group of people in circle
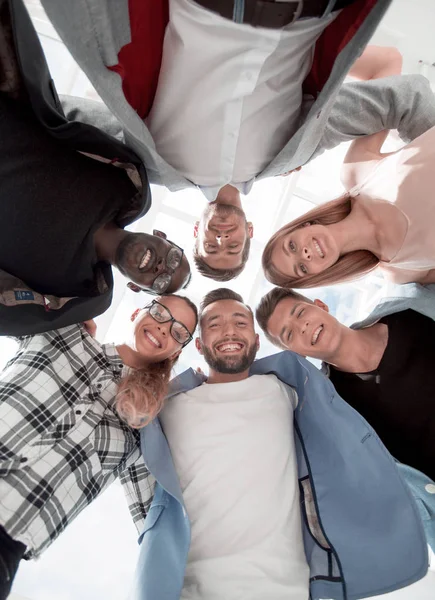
point(75, 413)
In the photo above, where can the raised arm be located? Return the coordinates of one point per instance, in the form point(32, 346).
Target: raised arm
point(402, 102)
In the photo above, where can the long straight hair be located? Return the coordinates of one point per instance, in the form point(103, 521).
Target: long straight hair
point(141, 393)
point(349, 266)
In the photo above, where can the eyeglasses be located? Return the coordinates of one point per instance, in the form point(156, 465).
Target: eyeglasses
point(161, 314)
point(173, 261)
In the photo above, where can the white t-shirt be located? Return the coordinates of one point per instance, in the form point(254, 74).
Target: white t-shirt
point(233, 449)
point(229, 95)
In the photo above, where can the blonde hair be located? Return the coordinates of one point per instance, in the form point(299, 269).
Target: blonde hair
point(141, 393)
point(349, 266)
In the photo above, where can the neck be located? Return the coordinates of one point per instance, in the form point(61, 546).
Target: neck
point(106, 240)
point(228, 194)
point(356, 232)
point(215, 377)
point(361, 350)
point(130, 357)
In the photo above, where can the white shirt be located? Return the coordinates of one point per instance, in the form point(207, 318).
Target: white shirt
point(233, 449)
point(229, 95)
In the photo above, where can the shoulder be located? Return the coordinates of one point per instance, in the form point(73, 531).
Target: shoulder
point(362, 158)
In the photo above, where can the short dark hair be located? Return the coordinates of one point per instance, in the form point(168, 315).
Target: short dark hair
point(220, 274)
point(267, 305)
point(220, 294)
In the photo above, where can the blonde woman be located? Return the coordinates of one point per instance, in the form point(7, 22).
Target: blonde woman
point(386, 219)
point(66, 403)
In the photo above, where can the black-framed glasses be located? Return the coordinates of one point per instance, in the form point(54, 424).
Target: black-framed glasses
point(172, 262)
point(161, 314)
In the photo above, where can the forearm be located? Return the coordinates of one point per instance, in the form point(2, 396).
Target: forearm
point(404, 102)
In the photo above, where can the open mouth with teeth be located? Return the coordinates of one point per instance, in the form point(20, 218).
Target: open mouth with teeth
point(316, 334)
point(318, 248)
point(230, 347)
point(151, 339)
point(145, 261)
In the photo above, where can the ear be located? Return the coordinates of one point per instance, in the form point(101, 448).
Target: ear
point(250, 229)
point(133, 287)
point(134, 315)
point(198, 345)
point(321, 305)
point(195, 229)
point(257, 341)
point(159, 234)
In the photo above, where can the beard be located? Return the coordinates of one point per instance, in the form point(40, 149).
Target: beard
point(230, 365)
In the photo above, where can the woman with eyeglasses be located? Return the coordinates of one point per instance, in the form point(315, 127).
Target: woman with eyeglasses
point(386, 219)
point(158, 338)
point(70, 408)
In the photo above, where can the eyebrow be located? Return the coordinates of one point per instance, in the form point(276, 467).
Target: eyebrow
point(293, 310)
point(236, 314)
point(211, 319)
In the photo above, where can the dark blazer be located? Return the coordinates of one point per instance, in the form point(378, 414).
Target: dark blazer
point(23, 311)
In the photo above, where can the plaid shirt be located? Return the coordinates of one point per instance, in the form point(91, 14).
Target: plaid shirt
point(61, 441)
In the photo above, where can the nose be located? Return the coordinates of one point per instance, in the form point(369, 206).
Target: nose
point(159, 266)
point(228, 329)
point(306, 253)
point(220, 237)
point(304, 326)
point(163, 328)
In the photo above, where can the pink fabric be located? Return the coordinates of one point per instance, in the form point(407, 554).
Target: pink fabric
point(406, 179)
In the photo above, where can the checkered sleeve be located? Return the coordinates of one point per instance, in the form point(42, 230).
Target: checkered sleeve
point(138, 485)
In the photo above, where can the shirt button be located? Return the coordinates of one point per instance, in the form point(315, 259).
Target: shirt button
point(23, 460)
point(430, 488)
point(99, 386)
point(78, 412)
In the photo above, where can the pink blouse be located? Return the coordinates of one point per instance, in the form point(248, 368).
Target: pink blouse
point(406, 179)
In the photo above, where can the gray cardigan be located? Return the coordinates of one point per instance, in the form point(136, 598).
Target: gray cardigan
point(95, 30)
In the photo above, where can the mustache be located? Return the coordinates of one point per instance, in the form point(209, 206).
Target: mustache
point(229, 341)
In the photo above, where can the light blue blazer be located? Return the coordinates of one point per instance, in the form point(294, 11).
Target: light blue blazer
point(371, 537)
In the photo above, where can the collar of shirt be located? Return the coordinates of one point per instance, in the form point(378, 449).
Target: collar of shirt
point(113, 359)
point(211, 192)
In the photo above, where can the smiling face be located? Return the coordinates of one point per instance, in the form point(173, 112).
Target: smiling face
point(305, 328)
point(143, 257)
point(153, 340)
point(228, 339)
point(305, 251)
point(221, 235)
